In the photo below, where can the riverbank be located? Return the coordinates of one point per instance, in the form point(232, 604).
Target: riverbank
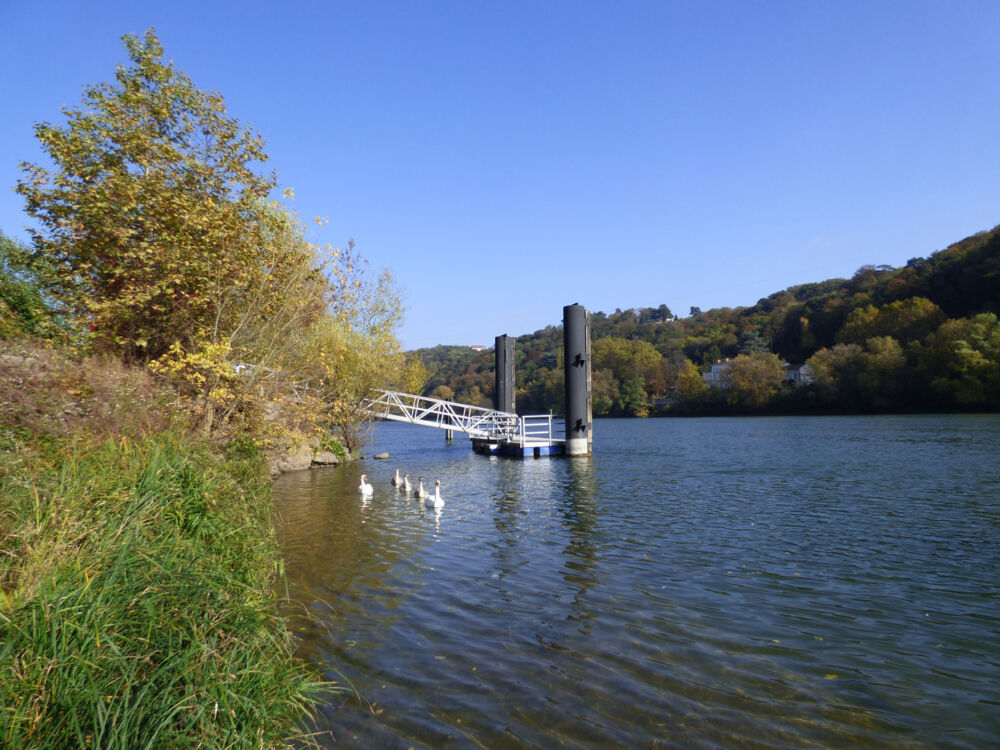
point(137, 572)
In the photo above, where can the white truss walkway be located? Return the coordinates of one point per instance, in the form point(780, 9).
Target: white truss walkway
point(449, 415)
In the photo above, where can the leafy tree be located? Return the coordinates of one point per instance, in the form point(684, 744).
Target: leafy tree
point(625, 358)
point(752, 342)
point(605, 392)
point(632, 399)
point(473, 396)
point(885, 355)
point(152, 209)
point(444, 393)
point(905, 320)
point(753, 379)
point(835, 373)
point(23, 309)
point(861, 324)
point(345, 355)
point(544, 392)
point(963, 360)
point(882, 380)
point(690, 384)
point(158, 237)
point(250, 351)
point(655, 314)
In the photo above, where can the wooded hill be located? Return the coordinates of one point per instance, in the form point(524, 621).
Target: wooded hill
point(921, 337)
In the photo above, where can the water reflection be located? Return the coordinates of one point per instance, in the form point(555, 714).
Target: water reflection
point(508, 513)
point(334, 540)
point(738, 590)
point(578, 507)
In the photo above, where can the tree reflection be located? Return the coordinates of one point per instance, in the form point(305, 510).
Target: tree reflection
point(339, 550)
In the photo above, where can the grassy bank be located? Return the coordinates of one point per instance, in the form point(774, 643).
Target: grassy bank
point(137, 564)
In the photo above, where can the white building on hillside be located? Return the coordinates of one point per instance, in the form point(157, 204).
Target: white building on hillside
point(718, 375)
point(798, 374)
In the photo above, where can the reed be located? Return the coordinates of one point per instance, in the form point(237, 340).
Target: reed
point(136, 598)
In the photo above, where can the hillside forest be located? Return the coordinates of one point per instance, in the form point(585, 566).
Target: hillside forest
point(923, 337)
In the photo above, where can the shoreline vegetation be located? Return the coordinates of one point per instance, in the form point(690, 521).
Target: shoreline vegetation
point(170, 340)
point(137, 604)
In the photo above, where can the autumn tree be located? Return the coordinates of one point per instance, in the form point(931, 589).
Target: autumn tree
point(882, 380)
point(835, 374)
point(154, 198)
point(962, 361)
point(443, 392)
point(159, 237)
point(353, 350)
point(753, 379)
point(247, 353)
point(690, 384)
point(880, 340)
point(905, 320)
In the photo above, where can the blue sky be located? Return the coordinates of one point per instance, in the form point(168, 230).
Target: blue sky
point(504, 159)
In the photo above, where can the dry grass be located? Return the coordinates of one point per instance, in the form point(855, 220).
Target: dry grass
point(137, 566)
point(45, 392)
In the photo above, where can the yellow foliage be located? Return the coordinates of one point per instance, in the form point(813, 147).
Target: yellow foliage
point(753, 379)
point(173, 254)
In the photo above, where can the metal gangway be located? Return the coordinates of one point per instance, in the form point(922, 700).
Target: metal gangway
point(477, 422)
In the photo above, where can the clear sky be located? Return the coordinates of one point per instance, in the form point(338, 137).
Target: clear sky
point(504, 159)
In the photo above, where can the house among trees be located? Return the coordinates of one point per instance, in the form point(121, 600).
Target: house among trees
point(718, 375)
point(798, 374)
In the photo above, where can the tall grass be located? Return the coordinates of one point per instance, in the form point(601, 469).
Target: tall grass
point(136, 605)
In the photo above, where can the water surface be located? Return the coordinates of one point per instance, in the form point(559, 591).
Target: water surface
point(780, 582)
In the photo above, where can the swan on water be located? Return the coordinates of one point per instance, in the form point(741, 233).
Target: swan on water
point(396, 480)
point(364, 488)
point(407, 487)
point(421, 490)
point(435, 500)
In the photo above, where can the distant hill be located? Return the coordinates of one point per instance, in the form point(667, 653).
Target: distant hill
point(918, 313)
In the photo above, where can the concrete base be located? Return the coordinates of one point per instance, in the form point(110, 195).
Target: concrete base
point(577, 447)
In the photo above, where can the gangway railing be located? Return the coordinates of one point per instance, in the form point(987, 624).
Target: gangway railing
point(445, 415)
point(476, 421)
point(536, 427)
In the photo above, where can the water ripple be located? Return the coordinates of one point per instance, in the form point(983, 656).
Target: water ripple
point(801, 582)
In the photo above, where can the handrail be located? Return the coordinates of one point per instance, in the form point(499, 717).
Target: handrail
point(450, 415)
point(446, 415)
point(537, 426)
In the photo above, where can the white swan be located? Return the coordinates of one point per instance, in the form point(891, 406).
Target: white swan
point(421, 491)
point(364, 488)
point(407, 487)
point(396, 480)
point(435, 501)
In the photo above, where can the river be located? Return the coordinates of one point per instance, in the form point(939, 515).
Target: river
point(749, 582)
